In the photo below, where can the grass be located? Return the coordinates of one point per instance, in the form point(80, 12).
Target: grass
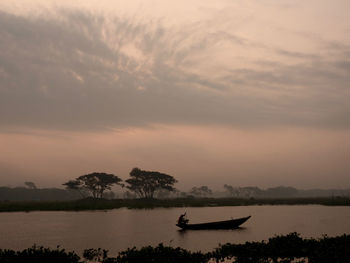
point(103, 204)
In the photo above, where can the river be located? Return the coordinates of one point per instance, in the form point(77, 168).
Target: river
point(119, 229)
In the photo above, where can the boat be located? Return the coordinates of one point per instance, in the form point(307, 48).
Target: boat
point(227, 224)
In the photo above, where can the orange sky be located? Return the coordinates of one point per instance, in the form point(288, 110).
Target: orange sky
point(304, 158)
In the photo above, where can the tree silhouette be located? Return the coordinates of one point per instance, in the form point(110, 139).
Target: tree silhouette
point(95, 183)
point(75, 185)
point(146, 183)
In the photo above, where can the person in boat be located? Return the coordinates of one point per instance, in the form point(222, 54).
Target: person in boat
point(182, 219)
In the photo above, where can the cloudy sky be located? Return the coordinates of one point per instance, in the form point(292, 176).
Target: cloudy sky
point(240, 92)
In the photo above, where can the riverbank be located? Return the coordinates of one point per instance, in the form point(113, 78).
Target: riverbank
point(287, 248)
point(103, 204)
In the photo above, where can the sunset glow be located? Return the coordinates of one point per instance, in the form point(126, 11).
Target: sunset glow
point(238, 92)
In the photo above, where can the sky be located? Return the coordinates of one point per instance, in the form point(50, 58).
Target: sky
point(239, 92)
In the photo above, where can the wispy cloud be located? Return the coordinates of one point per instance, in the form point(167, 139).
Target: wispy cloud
point(79, 70)
point(255, 92)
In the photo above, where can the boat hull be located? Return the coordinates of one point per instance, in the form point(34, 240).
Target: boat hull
point(228, 224)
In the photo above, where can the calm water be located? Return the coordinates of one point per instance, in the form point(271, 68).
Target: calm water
point(119, 229)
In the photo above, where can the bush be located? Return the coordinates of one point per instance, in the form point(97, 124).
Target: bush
point(287, 248)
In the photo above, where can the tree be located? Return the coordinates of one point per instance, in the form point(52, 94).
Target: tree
point(245, 192)
point(146, 183)
point(233, 191)
point(75, 185)
point(250, 191)
point(30, 185)
point(95, 183)
point(201, 191)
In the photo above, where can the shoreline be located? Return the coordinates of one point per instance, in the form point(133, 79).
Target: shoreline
point(104, 204)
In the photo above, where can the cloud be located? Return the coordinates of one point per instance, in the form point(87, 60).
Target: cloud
point(78, 70)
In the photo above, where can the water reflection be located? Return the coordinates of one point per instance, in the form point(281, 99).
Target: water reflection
point(119, 229)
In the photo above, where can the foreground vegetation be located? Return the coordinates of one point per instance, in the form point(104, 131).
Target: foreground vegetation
point(288, 248)
point(104, 204)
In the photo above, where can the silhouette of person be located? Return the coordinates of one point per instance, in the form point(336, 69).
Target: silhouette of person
point(182, 219)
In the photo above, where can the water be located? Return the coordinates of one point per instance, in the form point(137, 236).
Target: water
point(119, 229)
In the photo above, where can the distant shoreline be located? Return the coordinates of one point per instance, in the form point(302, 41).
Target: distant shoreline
point(104, 204)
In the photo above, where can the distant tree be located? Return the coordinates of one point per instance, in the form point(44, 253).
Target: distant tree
point(95, 183)
point(246, 192)
point(250, 191)
point(233, 191)
point(75, 185)
point(182, 194)
point(30, 185)
point(146, 183)
point(195, 191)
point(201, 191)
point(179, 194)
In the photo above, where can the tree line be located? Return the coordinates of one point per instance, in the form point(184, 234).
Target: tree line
point(142, 183)
point(151, 184)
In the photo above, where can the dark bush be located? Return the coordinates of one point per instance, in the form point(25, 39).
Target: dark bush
point(38, 255)
point(287, 248)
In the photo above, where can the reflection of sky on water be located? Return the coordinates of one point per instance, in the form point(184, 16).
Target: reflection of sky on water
point(119, 229)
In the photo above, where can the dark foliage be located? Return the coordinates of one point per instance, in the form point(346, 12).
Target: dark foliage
point(285, 249)
point(146, 183)
point(97, 255)
point(38, 255)
point(95, 183)
point(158, 254)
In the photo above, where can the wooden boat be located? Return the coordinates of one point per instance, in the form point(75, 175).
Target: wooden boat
point(228, 224)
